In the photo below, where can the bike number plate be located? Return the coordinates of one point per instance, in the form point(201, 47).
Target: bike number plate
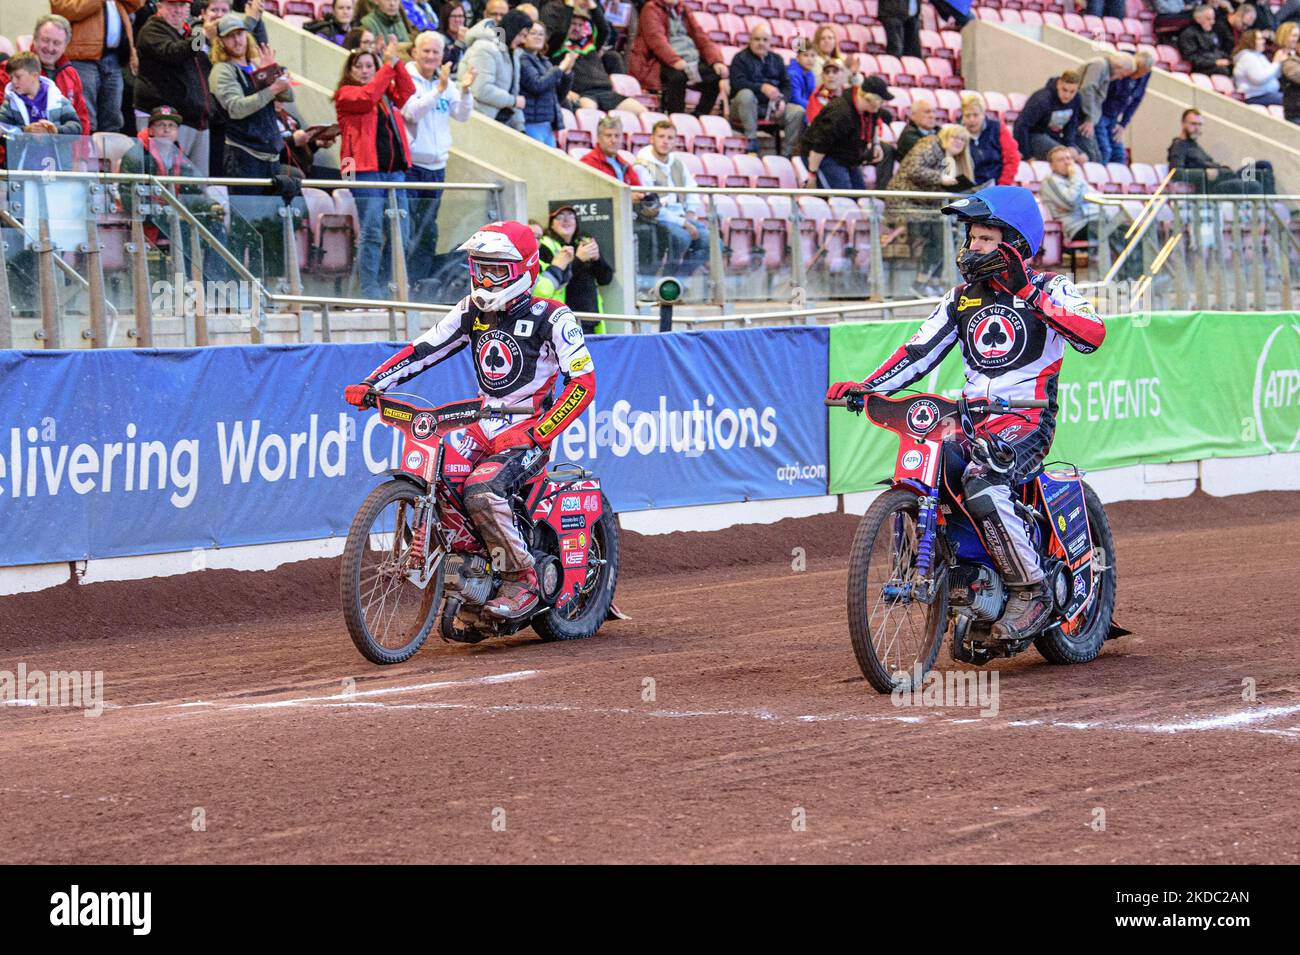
point(917, 461)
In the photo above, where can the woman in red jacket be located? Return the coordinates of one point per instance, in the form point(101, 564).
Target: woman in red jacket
point(373, 148)
point(671, 51)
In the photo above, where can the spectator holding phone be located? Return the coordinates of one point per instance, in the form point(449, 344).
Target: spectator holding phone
point(573, 268)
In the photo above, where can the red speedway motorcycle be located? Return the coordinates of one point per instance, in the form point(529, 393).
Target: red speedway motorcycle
point(918, 564)
point(413, 557)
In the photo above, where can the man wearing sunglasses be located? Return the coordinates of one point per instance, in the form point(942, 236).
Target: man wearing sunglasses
point(520, 345)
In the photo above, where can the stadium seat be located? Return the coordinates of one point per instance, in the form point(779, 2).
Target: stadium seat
point(111, 147)
point(7, 46)
point(752, 168)
point(689, 131)
point(719, 166)
point(780, 168)
point(723, 134)
point(335, 235)
point(948, 101)
point(24, 42)
point(815, 212)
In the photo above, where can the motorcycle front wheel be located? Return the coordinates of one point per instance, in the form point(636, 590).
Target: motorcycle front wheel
point(388, 615)
point(893, 631)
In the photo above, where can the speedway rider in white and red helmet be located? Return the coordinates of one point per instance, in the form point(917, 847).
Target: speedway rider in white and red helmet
point(520, 345)
point(1012, 324)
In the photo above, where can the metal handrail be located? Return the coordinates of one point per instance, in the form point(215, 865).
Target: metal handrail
point(144, 178)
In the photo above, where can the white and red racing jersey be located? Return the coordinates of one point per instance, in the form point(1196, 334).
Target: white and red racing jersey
point(1010, 349)
point(517, 357)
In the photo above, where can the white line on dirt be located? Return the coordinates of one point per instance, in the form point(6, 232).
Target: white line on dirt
point(1223, 721)
point(356, 694)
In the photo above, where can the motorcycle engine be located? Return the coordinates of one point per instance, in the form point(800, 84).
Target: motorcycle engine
point(468, 578)
point(977, 587)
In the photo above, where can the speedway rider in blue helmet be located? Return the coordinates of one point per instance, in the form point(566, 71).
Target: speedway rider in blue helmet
point(1012, 324)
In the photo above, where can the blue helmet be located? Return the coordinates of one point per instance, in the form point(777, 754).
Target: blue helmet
point(1012, 209)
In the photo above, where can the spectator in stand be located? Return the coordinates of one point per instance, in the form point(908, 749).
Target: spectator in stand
point(681, 215)
point(559, 17)
point(387, 19)
point(671, 52)
point(359, 38)
point(428, 113)
point(826, 47)
point(762, 88)
point(920, 124)
point(1231, 26)
point(592, 87)
point(334, 26)
point(174, 68)
point(957, 11)
point(455, 26)
point(1195, 166)
point(938, 163)
point(994, 154)
point(1201, 46)
point(1265, 19)
point(50, 43)
point(1051, 118)
point(800, 73)
point(902, 22)
point(1289, 12)
point(1172, 17)
point(1287, 35)
point(846, 134)
point(1098, 75)
point(421, 16)
point(834, 80)
point(367, 101)
point(252, 12)
point(544, 85)
point(1062, 194)
point(496, 57)
point(1257, 77)
point(651, 237)
point(102, 45)
point(253, 141)
point(1104, 8)
point(157, 152)
point(573, 267)
point(492, 14)
point(298, 155)
point(33, 102)
point(1117, 110)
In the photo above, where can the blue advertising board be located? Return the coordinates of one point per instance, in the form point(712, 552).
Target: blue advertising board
point(113, 452)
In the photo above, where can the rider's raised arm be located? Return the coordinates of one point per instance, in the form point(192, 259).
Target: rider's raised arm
point(1064, 308)
point(579, 377)
point(923, 351)
point(439, 343)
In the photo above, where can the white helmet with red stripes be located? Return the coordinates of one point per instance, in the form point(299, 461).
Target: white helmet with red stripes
point(503, 264)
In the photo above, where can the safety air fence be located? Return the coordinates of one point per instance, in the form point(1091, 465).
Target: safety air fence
point(108, 453)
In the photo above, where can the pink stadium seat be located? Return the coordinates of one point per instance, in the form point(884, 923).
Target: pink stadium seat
point(853, 11)
point(931, 43)
point(734, 28)
point(781, 169)
point(784, 34)
point(1041, 169)
point(1145, 175)
point(832, 9)
point(1031, 18)
point(718, 165)
point(303, 8)
point(1122, 176)
point(1053, 18)
point(941, 70)
point(988, 14)
point(335, 234)
point(722, 133)
point(952, 41)
point(752, 168)
point(7, 46)
point(24, 41)
point(625, 85)
point(738, 234)
point(1074, 23)
point(577, 152)
point(1094, 26)
point(295, 20)
point(588, 119)
point(693, 164)
point(688, 129)
point(111, 147)
point(949, 101)
point(918, 71)
point(1201, 80)
point(1223, 84)
point(708, 22)
point(815, 212)
point(892, 69)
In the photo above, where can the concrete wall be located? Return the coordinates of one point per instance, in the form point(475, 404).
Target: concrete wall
point(1010, 59)
point(17, 17)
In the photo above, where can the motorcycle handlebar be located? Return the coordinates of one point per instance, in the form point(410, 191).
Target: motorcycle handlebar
point(506, 410)
point(1026, 403)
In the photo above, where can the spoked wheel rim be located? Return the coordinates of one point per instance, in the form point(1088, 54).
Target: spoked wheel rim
point(897, 620)
point(393, 609)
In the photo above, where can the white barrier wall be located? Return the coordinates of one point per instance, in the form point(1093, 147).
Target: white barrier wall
point(1219, 477)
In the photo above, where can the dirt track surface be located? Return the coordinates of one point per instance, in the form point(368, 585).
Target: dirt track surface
point(226, 696)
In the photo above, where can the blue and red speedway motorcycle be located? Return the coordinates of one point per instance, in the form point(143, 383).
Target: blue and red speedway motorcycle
point(918, 564)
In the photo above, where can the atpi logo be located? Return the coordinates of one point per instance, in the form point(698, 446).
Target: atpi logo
point(1277, 390)
point(912, 460)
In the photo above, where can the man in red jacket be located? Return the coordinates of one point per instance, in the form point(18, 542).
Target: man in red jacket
point(671, 51)
point(50, 43)
point(102, 46)
point(652, 238)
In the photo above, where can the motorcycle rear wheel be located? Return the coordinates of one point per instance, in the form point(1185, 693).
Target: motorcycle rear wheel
point(388, 616)
point(1085, 642)
point(892, 635)
point(582, 616)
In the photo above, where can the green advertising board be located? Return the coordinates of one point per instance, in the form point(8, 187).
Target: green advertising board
point(1164, 387)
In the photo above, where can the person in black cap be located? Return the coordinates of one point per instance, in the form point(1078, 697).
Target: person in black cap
point(158, 152)
point(846, 134)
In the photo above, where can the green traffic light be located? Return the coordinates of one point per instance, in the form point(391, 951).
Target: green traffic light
point(668, 290)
